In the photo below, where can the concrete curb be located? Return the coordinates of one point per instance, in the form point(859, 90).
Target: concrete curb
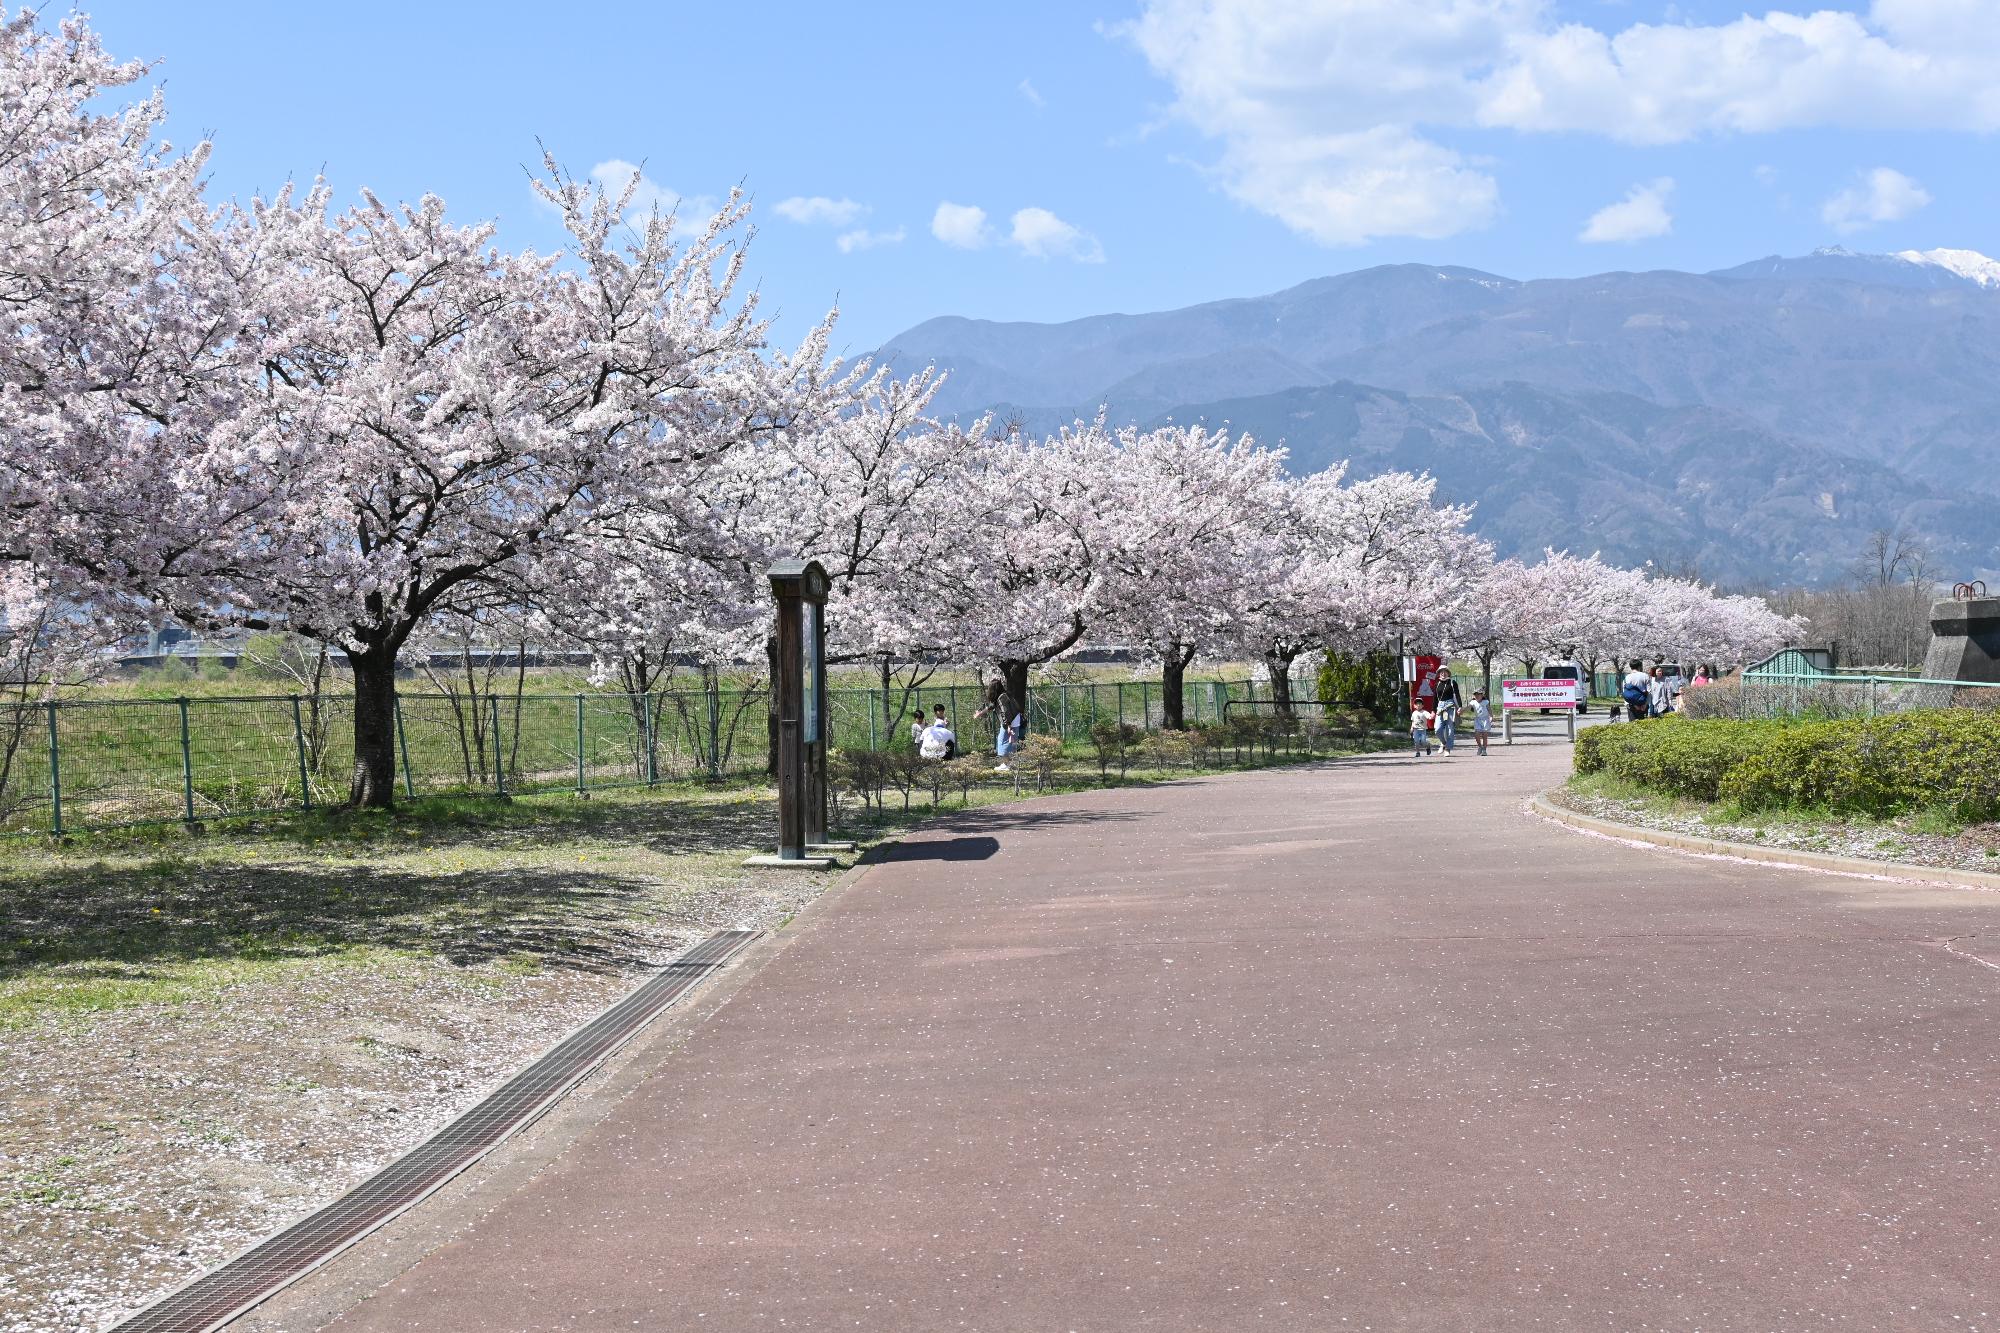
point(1749, 851)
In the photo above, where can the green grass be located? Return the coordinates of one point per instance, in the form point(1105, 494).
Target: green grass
point(1645, 799)
point(122, 758)
point(163, 917)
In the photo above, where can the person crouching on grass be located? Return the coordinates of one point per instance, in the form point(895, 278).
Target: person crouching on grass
point(1420, 731)
point(1482, 720)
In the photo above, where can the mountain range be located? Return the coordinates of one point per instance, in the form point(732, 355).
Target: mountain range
point(1753, 424)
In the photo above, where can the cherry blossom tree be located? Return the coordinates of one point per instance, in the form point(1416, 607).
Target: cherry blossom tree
point(104, 252)
point(1577, 607)
point(872, 488)
point(1582, 608)
point(430, 418)
point(1038, 524)
point(1362, 562)
point(1686, 621)
point(1492, 617)
point(1197, 540)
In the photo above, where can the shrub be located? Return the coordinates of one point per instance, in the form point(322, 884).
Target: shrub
point(965, 772)
point(1676, 755)
point(1940, 759)
point(1373, 684)
point(1040, 754)
point(1719, 699)
point(1210, 740)
point(1945, 758)
point(1169, 749)
point(856, 773)
point(1112, 740)
point(1589, 755)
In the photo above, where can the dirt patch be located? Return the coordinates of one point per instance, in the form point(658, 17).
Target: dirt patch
point(171, 1093)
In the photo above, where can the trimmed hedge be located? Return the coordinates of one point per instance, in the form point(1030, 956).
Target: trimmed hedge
point(1878, 766)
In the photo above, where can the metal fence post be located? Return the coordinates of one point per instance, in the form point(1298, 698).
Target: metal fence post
point(403, 747)
point(493, 729)
point(873, 743)
point(55, 774)
point(187, 767)
point(1120, 687)
point(1145, 705)
point(1062, 712)
point(579, 746)
point(299, 741)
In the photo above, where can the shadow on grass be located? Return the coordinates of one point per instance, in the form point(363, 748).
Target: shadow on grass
point(87, 918)
point(721, 817)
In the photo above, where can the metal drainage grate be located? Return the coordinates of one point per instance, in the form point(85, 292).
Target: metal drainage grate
point(221, 1294)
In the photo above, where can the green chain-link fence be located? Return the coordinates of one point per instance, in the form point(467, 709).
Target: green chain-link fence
point(70, 767)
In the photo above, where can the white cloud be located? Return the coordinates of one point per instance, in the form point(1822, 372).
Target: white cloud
point(819, 209)
point(1642, 213)
point(1030, 93)
point(962, 225)
point(1881, 195)
point(1325, 113)
point(691, 212)
point(863, 239)
point(1042, 235)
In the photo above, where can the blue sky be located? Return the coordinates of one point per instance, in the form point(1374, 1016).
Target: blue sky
point(1133, 155)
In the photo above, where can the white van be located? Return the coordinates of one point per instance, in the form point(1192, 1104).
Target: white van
point(1572, 671)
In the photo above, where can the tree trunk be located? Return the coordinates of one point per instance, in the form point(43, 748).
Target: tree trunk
point(374, 784)
point(1173, 685)
point(1281, 680)
point(1014, 678)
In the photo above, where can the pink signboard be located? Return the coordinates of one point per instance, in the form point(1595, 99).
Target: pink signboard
point(1537, 694)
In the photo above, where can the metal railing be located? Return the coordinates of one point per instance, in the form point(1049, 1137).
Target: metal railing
point(100, 764)
point(1790, 683)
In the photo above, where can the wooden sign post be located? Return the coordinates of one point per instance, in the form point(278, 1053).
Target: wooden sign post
point(799, 687)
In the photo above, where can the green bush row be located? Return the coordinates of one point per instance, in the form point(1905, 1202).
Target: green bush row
point(1878, 766)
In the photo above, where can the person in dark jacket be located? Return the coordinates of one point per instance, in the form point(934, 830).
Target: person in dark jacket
point(1449, 701)
point(1636, 691)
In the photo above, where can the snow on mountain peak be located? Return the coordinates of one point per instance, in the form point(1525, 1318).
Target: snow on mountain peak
point(1967, 264)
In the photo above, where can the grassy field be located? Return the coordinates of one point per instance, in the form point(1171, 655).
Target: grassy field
point(130, 753)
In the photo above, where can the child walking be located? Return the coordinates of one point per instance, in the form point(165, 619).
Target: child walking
point(1482, 720)
point(1420, 731)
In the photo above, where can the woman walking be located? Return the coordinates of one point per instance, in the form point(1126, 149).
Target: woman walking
point(1448, 704)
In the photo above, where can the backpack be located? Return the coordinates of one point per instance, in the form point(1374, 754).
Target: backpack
point(1635, 695)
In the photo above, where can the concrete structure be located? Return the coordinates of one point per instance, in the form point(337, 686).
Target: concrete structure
point(1965, 640)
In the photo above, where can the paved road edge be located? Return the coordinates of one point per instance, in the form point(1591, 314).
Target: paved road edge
point(319, 1298)
point(1750, 851)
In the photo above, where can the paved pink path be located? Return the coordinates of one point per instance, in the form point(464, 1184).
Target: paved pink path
point(1361, 1046)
